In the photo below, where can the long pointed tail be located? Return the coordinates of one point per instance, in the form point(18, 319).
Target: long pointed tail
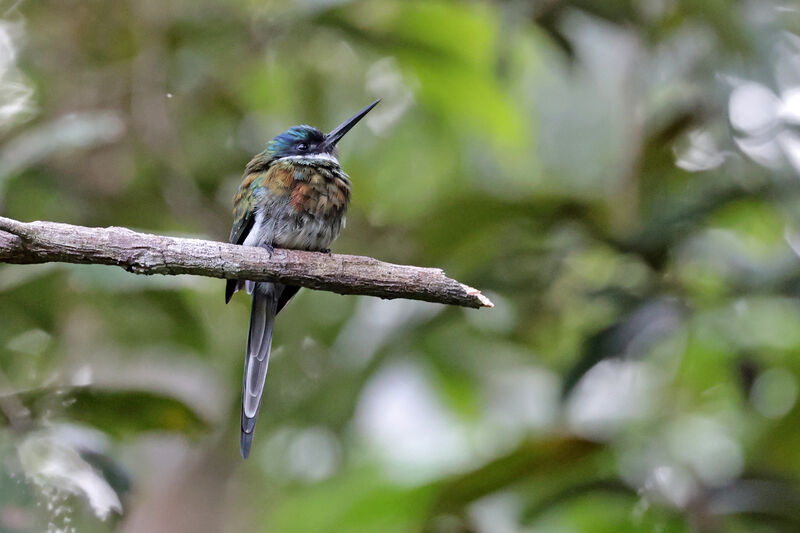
point(259, 342)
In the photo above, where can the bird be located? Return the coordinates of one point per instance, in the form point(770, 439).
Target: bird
point(293, 195)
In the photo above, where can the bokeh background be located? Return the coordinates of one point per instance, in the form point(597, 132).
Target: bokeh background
point(619, 176)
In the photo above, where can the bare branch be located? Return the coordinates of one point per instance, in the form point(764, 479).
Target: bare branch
point(142, 253)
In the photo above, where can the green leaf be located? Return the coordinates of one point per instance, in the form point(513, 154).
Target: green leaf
point(119, 413)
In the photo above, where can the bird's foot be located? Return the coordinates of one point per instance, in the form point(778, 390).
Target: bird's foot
point(327, 251)
point(269, 248)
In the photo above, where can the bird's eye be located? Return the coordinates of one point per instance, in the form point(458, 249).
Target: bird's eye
point(302, 147)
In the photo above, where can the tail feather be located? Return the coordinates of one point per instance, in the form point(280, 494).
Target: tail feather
point(233, 285)
point(259, 342)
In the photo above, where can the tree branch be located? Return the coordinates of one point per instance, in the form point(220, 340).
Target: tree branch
point(142, 253)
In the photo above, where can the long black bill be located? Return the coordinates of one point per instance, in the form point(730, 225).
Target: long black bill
point(337, 133)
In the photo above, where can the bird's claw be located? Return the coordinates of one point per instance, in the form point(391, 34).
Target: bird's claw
point(269, 248)
point(327, 251)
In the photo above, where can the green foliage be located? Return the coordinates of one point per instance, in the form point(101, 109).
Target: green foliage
point(620, 176)
point(118, 413)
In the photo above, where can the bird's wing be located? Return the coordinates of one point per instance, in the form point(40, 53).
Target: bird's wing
point(241, 228)
point(267, 186)
point(252, 187)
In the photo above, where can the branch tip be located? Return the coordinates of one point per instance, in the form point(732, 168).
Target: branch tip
point(486, 302)
point(471, 291)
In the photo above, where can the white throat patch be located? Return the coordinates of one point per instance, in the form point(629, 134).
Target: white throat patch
point(310, 158)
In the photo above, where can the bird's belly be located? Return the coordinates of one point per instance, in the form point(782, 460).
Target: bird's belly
point(298, 231)
point(307, 233)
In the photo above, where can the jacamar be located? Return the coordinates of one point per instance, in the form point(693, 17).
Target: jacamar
point(294, 195)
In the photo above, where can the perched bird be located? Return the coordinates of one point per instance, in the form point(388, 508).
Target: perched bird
point(294, 195)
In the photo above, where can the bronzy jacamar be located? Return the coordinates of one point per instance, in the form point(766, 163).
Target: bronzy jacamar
point(294, 195)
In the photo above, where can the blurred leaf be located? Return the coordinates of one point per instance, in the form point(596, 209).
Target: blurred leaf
point(358, 501)
point(632, 337)
point(117, 477)
point(611, 486)
point(58, 470)
point(119, 413)
point(608, 512)
point(532, 460)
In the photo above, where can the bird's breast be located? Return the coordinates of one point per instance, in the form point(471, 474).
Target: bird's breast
point(322, 195)
point(301, 206)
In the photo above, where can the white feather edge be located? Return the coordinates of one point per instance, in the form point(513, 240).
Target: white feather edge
point(310, 158)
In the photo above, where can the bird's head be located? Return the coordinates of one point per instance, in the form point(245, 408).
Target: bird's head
point(307, 141)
